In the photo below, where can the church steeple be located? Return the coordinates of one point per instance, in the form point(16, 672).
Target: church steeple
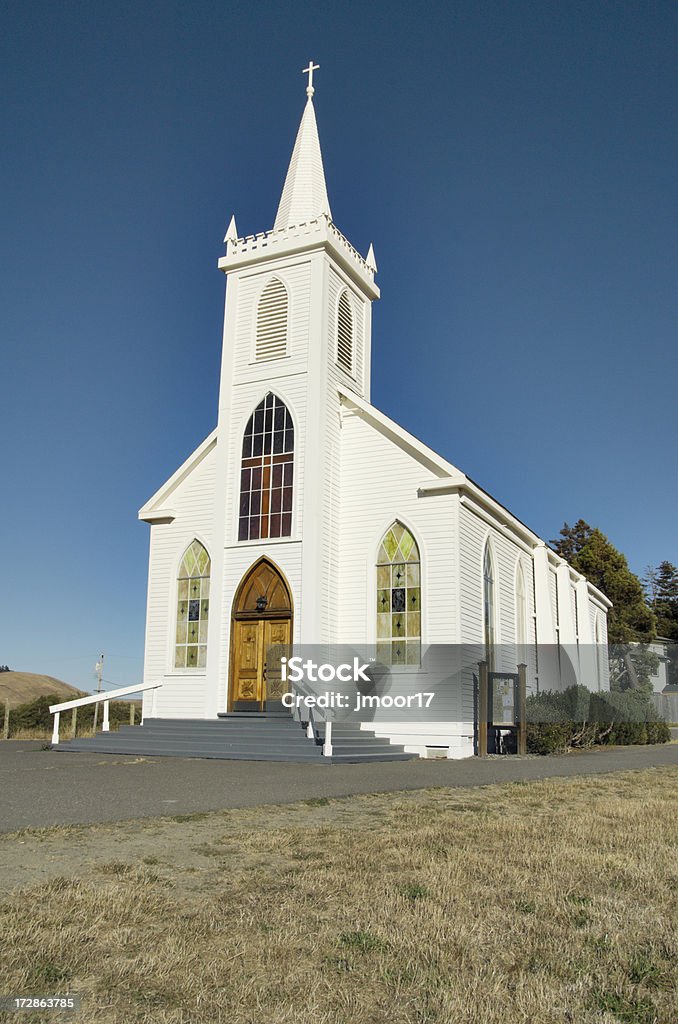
point(304, 196)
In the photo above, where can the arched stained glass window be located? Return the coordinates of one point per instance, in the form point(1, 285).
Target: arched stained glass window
point(398, 598)
point(266, 472)
point(488, 605)
point(193, 605)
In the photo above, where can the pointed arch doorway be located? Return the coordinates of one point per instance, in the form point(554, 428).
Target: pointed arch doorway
point(261, 617)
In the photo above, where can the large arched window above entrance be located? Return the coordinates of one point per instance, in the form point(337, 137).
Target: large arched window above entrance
point(266, 472)
point(193, 605)
point(398, 598)
point(488, 604)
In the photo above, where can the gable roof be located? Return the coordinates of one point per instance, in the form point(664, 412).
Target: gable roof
point(451, 479)
point(156, 507)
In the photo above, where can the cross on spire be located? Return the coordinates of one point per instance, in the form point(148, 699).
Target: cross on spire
point(309, 71)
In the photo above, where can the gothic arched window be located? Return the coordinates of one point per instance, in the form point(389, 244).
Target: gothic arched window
point(193, 605)
point(521, 616)
point(266, 472)
point(488, 605)
point(398, 598)
point(345, 333)
point(271, 341)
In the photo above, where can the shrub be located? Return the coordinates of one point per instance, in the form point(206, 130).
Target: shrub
point(35, 715)
point(658, 732)
point(578, 718)
point(547, 737)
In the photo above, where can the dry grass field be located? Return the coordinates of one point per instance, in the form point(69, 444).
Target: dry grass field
point(22, 687)
point(539, 902)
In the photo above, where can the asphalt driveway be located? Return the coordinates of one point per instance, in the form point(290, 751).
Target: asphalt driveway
point(42, 787)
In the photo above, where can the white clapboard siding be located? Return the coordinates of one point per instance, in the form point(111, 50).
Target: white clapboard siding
point(328, 489)
point(553, 596)
point(473, 532)
point(349, 372)
point(379, 485)
point(182, 694)
point(250, 361)
point(370, 501)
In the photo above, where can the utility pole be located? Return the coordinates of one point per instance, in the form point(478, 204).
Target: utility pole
point(99, 669)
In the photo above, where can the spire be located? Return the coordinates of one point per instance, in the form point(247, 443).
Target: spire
point(304, 196)
point(370, 260)
point(232, 233)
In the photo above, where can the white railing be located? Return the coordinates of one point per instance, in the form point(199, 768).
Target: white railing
point(96, 698)
point(327, 745)
point(308, 718)
point(312, 730)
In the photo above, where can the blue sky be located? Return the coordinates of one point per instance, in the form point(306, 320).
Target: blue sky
point(514, 165)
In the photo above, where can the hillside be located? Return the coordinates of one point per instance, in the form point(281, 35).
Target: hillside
point(22, 687)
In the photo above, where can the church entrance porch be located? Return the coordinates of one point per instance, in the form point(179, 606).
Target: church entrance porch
point(261, 618)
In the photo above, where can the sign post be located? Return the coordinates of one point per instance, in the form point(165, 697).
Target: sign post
point(482, 709)
point(521, 709)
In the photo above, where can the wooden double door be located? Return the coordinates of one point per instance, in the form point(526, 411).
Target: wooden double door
point(254, 688)
point(261, 619)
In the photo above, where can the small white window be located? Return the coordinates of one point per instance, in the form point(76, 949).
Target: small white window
point(345, 333)
point(272, 322)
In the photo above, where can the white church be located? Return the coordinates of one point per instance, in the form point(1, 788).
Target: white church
point(307, 516)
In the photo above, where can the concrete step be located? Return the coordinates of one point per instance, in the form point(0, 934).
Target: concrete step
point(248, 736)
point(225, 751)
point(151, 744)
point(224, 715)
point(222, 725)
point(339, 758)
point(212, 755)
point(368, 748)
point(244, 721)
point(206, 734)
point(180, 745)
point(221, 755)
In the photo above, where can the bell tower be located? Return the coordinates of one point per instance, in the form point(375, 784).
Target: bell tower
point(297, 327)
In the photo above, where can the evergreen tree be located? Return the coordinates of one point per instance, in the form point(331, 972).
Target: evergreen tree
point(630, 620)
point(662, 590)
point(664, 599)
point(572, 539)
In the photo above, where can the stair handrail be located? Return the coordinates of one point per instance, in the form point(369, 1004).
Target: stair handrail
point(297, 715)
point(96, 698)
point(308, 721)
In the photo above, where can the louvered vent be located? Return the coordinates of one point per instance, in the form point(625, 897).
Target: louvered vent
point(272, 322)
point(345, 333)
